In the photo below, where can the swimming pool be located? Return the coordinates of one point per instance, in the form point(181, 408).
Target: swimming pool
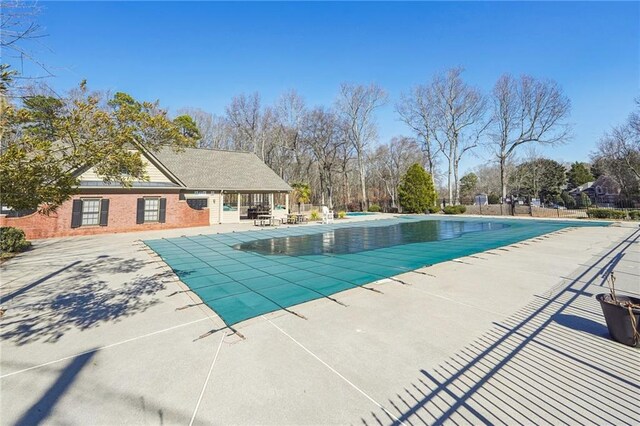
point(358, 239)
point(242, 275)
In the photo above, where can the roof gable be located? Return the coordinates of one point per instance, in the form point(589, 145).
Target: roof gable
point(158, 176)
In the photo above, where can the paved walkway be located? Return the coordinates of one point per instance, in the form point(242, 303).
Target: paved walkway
point(95, 333)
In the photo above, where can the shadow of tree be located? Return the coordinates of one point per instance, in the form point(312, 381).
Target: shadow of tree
point(78, 298)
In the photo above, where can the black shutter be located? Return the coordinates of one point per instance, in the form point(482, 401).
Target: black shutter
point(76, 214)
point(140, 212)
point(163, 210)
point(104, 212)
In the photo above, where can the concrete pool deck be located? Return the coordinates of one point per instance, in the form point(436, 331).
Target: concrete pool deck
point(92, 334)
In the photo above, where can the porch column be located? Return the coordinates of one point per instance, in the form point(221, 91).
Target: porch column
point(271, 202)
point(286, 201)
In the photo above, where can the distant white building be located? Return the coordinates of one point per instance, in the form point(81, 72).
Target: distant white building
point(481, 200)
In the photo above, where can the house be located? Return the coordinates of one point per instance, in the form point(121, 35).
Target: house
point(605, 191)
point(192, 187)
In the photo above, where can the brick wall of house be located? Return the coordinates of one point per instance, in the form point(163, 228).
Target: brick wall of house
point(122, 217)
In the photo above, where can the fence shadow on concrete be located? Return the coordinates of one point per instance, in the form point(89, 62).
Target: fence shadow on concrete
point(550, 362)
point(42, 408)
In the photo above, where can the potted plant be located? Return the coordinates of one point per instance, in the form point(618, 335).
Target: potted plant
point(622, 314)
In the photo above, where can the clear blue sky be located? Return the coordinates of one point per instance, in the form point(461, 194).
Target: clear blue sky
point(201, 54)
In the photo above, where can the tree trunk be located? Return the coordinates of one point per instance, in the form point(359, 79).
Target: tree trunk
point(330, 196)
point(365, 204)
point(345, 188)
point(322, 187)
point(455, 181)
point(503, 178)
point(450, 180)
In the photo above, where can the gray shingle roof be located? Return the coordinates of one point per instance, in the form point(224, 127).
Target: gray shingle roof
point(211, 169)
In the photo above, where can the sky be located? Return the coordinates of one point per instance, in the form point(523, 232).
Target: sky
point(201, 54)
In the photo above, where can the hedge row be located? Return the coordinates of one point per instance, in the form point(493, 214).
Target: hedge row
point(613, 214)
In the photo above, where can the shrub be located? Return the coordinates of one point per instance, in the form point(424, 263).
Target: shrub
point(568, 201)
point(342, 214)
point(455, 209)
point(493, 198)
point(315, 215)
point(416, 191)
point(374, 208)
point(584, 201)
point(634, 214)
point(606, 214)
point(12, 240)
point(434, 209)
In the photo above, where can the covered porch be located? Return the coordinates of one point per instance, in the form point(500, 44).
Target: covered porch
point(233, 207)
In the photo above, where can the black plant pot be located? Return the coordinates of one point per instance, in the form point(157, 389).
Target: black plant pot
point(618, 319)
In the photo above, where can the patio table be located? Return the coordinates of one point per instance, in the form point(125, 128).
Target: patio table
point(263, 220)
point(295, 218)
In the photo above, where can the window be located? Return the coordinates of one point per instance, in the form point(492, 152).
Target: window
point(90, 212)
point(279, 201)
point(151, 209)
point(230, 202)
point(197, 203)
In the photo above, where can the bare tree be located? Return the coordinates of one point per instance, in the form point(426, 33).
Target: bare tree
point(322, 134)
point(622, 145)
point(267, 130)
point(526, 111)
point(290, 152)
point(356, 105)
point(618, 153)
point(416, 112)
point(460, 118)
point(216, 131)
point(243, 113)
point(18, 30)
point(346, 168)
point(391, 161)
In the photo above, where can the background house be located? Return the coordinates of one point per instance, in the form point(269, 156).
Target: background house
point(192, 187)
point(604, 191)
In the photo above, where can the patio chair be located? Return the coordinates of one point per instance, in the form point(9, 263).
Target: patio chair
point(327, 215)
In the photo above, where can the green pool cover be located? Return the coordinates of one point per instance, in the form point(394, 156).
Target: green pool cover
point(242, 275)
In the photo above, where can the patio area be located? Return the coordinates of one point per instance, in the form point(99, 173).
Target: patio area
point(103, 332)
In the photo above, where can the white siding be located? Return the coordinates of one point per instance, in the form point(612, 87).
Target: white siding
point(155, 175)
point(214, 209)
point(232, 216)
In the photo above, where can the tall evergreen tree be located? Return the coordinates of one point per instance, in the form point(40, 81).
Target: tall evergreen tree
point(578, 174)
point(416, 190)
